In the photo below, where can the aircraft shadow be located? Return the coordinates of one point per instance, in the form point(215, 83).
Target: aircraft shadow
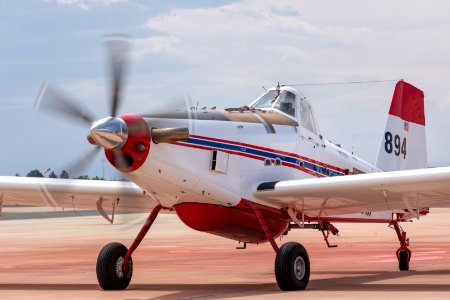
point(347, 281)
point(68, 213)
point(370, 281)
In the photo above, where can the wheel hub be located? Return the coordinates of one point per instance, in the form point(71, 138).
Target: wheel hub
point(299, 268)
point(119, 267)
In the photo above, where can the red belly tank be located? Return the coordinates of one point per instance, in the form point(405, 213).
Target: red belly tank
point(237, 223)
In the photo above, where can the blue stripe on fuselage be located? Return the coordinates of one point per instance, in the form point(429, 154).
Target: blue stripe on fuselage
point(263, 154)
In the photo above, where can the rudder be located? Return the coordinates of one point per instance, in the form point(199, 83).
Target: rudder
point(403, 145)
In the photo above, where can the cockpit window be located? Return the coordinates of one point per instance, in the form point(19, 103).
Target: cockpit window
point(284, 101)
point(288, 102)
point(267, 100)
point(306, 117)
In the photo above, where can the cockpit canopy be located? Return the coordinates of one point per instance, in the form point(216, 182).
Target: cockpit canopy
point(282, 100)
point(289, 102)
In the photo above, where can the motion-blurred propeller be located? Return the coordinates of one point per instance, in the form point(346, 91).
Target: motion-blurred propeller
point(54, 100)
point(83, 161)
point(117, 47)
point(111, 133)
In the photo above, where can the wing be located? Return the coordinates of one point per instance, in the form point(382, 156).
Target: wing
point(411, 189)
point(84, 194)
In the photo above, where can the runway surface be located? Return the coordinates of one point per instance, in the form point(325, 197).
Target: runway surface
point(52, 255)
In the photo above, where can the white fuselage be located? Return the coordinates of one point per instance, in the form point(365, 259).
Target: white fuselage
point(181, 172)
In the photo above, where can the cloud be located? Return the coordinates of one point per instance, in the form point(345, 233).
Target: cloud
point(243, 45)
point(253, 33)
point(167, 45)
point(233, 30)
point(259, 31)
point(86, 4)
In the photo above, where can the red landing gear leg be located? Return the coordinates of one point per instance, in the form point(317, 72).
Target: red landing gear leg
point(329, 228)
point(151, 218)
point(403, 253)
point(291, 261)
point(114, 263)
point(263, 224)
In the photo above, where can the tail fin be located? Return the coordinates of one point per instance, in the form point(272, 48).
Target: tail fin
point(403, 145)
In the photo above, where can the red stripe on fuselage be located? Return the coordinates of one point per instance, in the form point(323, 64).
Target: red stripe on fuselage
point(274, 151)
point(223, 150)
point(287, 164)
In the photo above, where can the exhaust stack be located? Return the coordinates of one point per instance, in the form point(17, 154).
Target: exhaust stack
point(168, 135)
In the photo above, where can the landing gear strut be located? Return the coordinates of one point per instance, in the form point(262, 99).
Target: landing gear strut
point(114, 263)
point(403, 253)
point(292, 260)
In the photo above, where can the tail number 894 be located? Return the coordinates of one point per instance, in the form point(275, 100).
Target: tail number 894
point(394, 144)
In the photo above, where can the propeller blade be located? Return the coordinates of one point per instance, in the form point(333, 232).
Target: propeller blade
point(181, 103)
point(117, 48)
point(52, 99)
point(182, 106)
point(83, 162)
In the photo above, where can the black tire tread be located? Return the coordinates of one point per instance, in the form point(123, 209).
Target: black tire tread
point(283, 267)
point(106, 271)
point(403, 260)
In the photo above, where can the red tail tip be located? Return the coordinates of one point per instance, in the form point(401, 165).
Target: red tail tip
point(408, 103)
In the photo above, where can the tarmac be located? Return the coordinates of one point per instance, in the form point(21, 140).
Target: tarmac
point(48, 254)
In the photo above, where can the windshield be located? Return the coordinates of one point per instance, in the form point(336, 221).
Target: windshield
point(285, 101)
point(266, 100)
point(306, 116)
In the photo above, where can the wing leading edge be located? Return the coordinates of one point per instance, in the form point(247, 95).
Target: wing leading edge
point(83, 194)
point(411, 189)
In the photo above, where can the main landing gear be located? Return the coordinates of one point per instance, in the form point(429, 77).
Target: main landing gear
point(114, 263)
point(291, 261)
point(403, 253)
point(292, 267)
point(110, 270)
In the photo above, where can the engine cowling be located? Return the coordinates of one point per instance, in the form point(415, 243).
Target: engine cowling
point(132, 155)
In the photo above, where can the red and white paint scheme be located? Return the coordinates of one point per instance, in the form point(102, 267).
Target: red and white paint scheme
point(404, 136)
point(250, 174)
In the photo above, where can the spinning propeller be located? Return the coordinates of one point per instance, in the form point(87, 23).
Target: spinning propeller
point(125, 138)
point(108, 133)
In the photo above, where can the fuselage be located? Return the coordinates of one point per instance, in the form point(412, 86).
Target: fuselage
point(227, 154)
point(249, 155)
point(230, 151)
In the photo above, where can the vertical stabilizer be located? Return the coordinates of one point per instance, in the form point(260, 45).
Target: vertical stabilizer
point(403, 145)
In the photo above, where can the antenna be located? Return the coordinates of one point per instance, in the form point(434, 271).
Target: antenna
point(344, 82)
point(103, 169)
point(353, 144)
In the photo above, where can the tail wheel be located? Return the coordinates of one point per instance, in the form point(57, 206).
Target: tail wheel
point(110, 273)
point(292, 267)
point(403, 260)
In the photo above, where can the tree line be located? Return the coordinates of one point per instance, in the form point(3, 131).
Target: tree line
point(64, 174)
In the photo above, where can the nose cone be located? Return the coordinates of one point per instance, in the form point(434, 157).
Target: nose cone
point(110, 133)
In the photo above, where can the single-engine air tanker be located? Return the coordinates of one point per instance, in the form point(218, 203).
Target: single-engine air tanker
point(250, 174)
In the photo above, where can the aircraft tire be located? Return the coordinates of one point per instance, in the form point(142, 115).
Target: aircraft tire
point(292, 267)
point(403, 260)
point(110, 274)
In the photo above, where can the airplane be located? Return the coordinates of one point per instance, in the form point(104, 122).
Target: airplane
point(250, 174)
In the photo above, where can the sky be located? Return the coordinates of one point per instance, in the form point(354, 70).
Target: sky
point(222, 53)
